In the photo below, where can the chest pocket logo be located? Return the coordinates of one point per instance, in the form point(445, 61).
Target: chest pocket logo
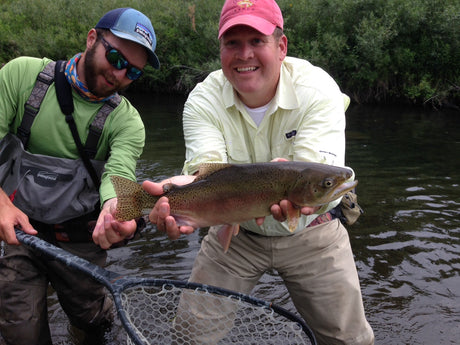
point(291, 134)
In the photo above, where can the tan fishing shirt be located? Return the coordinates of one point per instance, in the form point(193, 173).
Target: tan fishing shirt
point(305, 121)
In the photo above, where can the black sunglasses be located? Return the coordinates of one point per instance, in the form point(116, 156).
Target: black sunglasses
point(117, 60)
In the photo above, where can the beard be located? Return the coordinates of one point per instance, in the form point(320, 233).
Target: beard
point(91, 73)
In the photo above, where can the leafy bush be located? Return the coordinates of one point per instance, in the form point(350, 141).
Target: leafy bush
point(379, 51)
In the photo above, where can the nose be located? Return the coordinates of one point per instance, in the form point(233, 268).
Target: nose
point(119, 73)
point(245, 52)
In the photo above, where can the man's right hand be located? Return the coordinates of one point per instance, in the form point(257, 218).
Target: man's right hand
point(11, 217)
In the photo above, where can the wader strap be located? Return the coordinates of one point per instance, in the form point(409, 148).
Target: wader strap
point(95, 129)
point(32, 107)
point(64, 96)
point(63, 88)
point(44, 79)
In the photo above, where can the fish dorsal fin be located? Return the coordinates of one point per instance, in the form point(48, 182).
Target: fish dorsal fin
point(207, 169)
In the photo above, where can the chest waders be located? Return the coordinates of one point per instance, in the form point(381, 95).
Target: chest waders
point(59, 195)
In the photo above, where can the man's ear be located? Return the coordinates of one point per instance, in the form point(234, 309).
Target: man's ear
point(283, 47)
point(91, 38)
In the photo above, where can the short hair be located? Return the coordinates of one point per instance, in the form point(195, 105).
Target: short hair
point(278, 33)
point(101, 33)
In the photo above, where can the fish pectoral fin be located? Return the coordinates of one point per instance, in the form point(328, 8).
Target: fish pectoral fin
point(225, 234)
point(236, 229)
point(293, 215)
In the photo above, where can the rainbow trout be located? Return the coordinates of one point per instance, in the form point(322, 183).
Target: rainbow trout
point(228, 194)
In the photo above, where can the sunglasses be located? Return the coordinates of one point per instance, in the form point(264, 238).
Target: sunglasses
point(117, 60)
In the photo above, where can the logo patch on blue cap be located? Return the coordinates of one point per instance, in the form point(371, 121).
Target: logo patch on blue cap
point(144, 32)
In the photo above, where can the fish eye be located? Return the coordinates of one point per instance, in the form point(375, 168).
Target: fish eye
point(327, 183)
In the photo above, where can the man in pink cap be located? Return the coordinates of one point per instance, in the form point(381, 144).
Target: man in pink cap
point(264, 106)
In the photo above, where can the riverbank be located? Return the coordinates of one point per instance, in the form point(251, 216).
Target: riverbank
point(392, 51)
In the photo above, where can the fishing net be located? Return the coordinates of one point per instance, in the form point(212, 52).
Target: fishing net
point(175, 315)
point(158, 311)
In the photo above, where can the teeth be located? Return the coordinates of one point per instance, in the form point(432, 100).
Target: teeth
point(246, 69)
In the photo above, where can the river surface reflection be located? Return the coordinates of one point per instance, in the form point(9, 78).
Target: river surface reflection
point(406, 245)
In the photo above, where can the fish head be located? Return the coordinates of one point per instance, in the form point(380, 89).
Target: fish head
point(320, 184)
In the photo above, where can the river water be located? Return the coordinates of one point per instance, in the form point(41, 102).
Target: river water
point(406, 244)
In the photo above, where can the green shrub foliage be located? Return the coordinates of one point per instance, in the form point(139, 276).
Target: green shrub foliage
point(379, 51)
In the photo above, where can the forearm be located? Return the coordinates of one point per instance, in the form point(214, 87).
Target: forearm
point(204, 140)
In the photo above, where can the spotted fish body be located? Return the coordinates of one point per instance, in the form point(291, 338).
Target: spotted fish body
point(228, 194)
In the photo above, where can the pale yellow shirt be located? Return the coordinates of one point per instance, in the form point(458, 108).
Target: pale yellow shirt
point(304, 122)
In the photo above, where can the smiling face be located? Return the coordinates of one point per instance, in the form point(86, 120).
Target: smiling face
point(251, 61)
point(101, 78)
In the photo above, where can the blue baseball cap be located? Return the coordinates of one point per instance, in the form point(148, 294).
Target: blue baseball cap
point(130, 24)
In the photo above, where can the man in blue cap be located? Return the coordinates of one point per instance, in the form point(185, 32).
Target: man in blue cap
point(117, 50)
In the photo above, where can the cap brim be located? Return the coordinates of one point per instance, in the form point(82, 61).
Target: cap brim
point(260, 24)
point(152, 57)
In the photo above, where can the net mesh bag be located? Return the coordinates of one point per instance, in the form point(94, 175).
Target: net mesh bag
point(173, 315)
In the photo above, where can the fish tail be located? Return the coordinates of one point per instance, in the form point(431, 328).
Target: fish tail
point(131, 199)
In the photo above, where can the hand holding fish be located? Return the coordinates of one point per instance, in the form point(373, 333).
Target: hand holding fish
point(285, 208)
point(161, 212)
point(108, 230)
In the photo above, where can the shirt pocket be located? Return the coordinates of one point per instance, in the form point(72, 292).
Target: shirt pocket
point(238, 153)
point(284, 146)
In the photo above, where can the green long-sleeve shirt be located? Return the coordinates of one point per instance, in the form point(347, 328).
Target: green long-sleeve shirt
point(122, 138)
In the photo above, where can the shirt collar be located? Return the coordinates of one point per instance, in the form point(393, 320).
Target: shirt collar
point(286, 96)
point(229, 94)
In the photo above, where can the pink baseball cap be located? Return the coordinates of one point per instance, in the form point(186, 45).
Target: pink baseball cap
point(262, 15)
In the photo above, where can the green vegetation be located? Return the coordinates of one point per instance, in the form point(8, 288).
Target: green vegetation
point(379, 51)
